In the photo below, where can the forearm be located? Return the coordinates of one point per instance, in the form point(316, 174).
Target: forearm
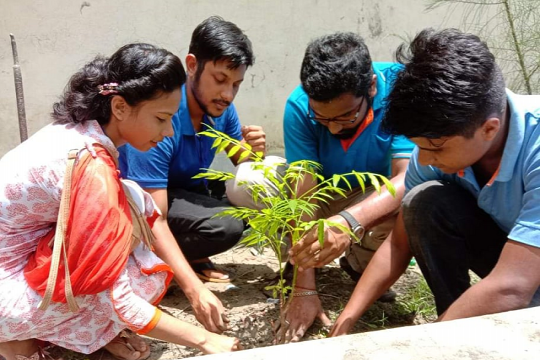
point(488, 296)
point(387, 265)
point(168, 250)
point(376, 208)
point(235, 159)
point(509, 286)
point(306, 279)
point(175, 331)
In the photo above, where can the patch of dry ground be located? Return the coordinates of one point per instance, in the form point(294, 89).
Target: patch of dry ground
point(251, 315)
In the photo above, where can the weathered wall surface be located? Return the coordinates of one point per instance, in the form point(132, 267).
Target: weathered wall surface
point(56, 37)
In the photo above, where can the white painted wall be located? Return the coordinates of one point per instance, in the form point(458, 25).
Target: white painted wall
point(56, 37)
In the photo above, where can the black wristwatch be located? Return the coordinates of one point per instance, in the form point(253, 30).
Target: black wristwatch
point(356, 227)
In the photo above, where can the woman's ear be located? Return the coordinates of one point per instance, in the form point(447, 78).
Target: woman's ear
point(119, 107)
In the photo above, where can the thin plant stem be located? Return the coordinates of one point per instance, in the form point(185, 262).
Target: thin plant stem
point(517, 46)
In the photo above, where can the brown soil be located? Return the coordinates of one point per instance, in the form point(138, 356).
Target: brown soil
point(251, 314)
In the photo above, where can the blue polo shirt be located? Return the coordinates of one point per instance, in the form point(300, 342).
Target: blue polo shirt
point(372, 151)
point(177, 159)
point(512, 197)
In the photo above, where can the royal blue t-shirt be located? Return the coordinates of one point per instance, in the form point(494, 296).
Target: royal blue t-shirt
point(178, 158)
point(372, 151)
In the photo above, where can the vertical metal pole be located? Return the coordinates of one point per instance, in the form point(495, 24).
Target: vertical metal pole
point(23, 129)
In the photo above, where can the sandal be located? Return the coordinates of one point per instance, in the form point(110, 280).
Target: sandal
point(199, 267)
point(345, 266)
point(41, 354)
point(122, 339)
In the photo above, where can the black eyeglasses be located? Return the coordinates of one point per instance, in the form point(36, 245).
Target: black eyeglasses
point(337, 120)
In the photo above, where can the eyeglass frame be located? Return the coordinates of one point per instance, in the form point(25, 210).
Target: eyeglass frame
point(335, 120)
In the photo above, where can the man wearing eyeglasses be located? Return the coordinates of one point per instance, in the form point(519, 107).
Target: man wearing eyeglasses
point(334, 118)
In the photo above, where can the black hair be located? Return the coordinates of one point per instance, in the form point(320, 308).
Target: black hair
point(450, 86)
point(142, 72)
point(216, 39)
point(336, 64)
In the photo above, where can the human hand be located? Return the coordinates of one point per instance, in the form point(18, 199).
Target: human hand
point(342, 326)
point(300, 315)
point(209, 310)
point(215, 344)
point(255, 137)
point(308, 253)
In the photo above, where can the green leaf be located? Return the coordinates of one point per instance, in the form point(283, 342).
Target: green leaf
point(389, 186)
point(335, 180)
point(217, 142)
point(233, 150)
point(222, 146)
point(244, 155)
point(341, 227)
point(208, 133)
point(374, 182)
point(274, 289)
point(249, 239)
point(347, 182)
point(212, 174)
point(320, 199)
point(293, 204)
point(361, 180)
point(307, 210)
point(202, 175)
point(320, 232)
point(340, 192)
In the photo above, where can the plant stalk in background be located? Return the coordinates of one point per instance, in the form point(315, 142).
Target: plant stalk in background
point(511, 28)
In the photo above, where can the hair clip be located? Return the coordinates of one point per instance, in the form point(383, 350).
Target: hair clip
point(107, 89)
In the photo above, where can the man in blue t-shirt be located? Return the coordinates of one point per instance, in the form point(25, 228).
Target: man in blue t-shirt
point(219, 54)
point(334, 118)
point(473, 183)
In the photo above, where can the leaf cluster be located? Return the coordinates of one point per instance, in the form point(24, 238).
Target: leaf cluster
point(283, 210)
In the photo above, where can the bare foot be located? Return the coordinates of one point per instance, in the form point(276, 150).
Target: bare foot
point(128, 346)
point(216, 274)
point(206, 270)
point(10, 349)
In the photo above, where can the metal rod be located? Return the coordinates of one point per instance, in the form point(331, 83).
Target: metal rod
point(19, 93)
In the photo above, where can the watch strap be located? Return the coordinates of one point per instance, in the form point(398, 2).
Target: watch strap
point(353, 223)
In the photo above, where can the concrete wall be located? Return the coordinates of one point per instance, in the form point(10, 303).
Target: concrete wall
point(56, 37)
point(505, 336)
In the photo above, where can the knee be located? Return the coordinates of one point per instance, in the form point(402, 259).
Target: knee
point(427, 198)
point(250, 177)
point(254, 173)
point(432, 209)
point(226, 230)
point(419, 208)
